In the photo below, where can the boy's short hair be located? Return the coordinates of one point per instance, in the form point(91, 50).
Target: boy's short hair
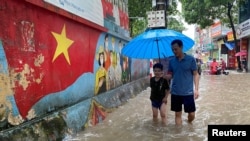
point(158, 65)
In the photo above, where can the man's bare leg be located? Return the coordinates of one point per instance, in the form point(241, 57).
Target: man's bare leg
point(191, 117)
point(178, 118)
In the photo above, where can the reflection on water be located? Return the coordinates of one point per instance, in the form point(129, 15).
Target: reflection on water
point(223, 100)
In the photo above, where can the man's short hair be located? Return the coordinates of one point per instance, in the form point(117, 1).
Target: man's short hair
point(177, 41)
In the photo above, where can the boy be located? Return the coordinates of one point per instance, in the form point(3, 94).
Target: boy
point(159, 93)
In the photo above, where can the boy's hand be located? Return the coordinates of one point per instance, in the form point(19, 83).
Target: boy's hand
point(165, 100)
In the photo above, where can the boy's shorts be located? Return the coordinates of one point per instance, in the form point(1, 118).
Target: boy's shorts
point(156, 104)
point(188, 102)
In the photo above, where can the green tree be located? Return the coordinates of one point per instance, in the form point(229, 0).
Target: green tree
point(204, 12)
point(139, 8)
point(175, 24)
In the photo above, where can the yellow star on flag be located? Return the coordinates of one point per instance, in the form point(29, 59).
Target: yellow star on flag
point(63, 44)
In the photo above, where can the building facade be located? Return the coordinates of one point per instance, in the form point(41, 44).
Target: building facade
point(217, 41)
point(243, 30)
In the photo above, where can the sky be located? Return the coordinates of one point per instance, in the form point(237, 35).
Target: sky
point(190, 31)
point(190, 28)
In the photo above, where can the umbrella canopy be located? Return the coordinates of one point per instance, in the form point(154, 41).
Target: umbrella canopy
point(241, 53)
point(155, 43)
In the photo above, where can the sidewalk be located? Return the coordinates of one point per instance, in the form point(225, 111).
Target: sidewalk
point(236, 72)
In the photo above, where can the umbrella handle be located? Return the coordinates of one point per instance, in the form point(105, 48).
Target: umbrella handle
point(158, 50)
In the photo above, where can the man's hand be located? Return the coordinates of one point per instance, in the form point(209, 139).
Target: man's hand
point(196, 94)
point(168, 76)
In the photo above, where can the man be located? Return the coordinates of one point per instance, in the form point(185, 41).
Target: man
point(185, 82)
point(199, 62)
point(223, 66)
point(244, 63)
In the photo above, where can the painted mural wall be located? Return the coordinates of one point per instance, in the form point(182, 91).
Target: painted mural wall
point(51, 60)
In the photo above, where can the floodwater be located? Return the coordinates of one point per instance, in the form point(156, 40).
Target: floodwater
point(223, 100)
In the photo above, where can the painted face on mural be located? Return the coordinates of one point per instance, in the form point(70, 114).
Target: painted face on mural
point(101, 58)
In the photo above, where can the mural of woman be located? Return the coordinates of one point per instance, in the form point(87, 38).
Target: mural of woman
point(113, 53)
point(101, 74)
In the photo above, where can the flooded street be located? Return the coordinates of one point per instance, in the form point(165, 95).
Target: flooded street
point(223, 100)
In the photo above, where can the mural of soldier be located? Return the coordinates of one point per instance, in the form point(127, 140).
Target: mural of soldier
point(106, 51)
point(111, 70)
point(125, 70)
point(119, 63)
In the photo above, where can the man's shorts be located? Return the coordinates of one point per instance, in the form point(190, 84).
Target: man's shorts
point(188, 102)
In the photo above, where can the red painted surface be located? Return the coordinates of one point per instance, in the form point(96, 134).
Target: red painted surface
point(231, 59)
point(243, 47)
point(108, 12)
point(98, 113)
point(22, 50)
point(107, 8)
point(123, 19)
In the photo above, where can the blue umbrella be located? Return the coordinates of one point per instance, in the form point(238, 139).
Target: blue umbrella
point(155, 43)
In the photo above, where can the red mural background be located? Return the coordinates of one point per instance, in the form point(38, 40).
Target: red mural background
point(45, 52)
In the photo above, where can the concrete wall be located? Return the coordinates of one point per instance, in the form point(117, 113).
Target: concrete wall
point(53, 80)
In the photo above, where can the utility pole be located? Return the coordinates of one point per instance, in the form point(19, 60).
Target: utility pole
point(162, 5)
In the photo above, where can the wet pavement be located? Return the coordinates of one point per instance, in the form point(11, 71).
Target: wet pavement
point(224, 99)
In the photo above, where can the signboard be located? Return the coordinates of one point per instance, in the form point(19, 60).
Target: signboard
point(156, 18)
point(243, 29)
point(216, 29)
point(230, 36)
point(88, 9)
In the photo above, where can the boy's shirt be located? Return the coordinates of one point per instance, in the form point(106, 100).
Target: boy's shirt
point(158, 88)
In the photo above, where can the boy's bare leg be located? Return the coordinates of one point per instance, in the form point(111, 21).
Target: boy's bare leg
point(155, 114)
point(163, 113)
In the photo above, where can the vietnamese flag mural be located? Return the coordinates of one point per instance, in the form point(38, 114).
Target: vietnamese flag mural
point(45, 52)
point(108, 12)
point(107, 8)
point(51, 60)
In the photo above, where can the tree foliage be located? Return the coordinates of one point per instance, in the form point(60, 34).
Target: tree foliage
point(175, 24)
point(139, 8)
point(204, 12)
